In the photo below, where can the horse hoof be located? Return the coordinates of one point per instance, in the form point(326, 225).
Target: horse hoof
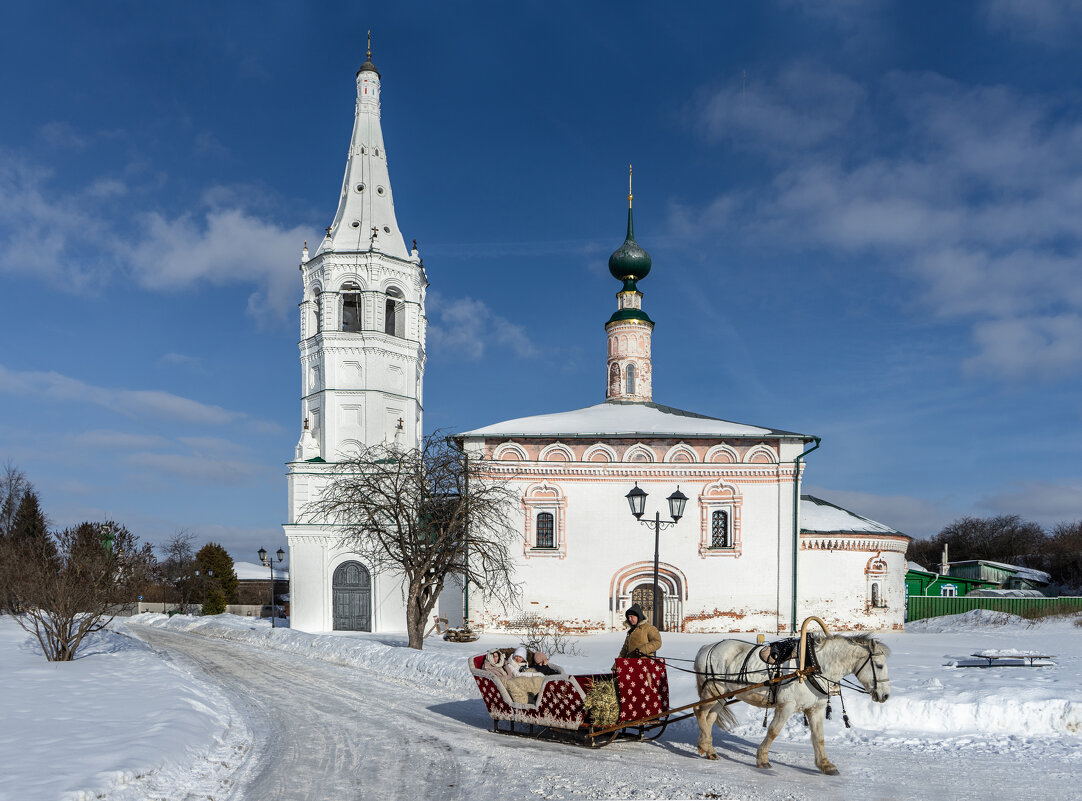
point(764, 765)
point(831, 771)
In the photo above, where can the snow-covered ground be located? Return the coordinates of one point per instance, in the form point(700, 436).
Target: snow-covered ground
point(945, 731)
point(119, 720)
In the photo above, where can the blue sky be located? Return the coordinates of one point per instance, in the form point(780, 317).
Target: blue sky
point(865, 219)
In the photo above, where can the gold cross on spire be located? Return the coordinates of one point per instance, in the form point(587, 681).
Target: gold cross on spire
point(369, 53)
point(629, 195)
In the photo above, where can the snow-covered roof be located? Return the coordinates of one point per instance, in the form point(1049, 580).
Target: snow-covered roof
point(991, 592)
point(921, 568)
point(616, 418)
point(1019, 572)
point(819, 516)
point(253, 571)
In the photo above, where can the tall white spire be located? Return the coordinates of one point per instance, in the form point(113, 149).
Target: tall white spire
point(365, 219)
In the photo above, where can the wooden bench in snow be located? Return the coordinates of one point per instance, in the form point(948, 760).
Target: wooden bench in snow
point(1011, 657)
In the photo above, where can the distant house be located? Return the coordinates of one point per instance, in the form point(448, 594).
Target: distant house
point(1000, 575)
point(921, 581)
point(254, 587)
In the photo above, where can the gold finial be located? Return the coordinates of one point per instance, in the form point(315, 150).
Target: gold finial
point(629, 195)
point(369, 53)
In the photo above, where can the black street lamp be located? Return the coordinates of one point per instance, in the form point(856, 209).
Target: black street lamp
point(269, 562)
point(636, 499)
point(210, 573)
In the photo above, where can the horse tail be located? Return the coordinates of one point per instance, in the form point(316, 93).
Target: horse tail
point(725, 719)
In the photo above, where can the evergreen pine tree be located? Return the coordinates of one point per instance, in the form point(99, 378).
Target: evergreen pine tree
point(213, 556)
point(29, 526)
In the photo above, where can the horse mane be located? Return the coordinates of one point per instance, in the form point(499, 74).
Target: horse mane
point(864, 639)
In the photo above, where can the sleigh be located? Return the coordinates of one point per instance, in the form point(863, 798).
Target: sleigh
point(559, 709)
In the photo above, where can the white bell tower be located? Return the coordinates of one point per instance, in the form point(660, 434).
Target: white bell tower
point(362, 352)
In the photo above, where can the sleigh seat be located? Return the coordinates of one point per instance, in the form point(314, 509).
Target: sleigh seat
point(560, 703)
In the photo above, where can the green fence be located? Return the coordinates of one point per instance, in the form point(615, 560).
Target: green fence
point(922, 606)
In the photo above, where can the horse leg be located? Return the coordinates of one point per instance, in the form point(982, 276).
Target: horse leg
point(782, 713)
point(815, 724)
point(706, 715)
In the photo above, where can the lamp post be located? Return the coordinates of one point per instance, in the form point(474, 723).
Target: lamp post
point(636, 499)
point(203, 609)
point(269, 562)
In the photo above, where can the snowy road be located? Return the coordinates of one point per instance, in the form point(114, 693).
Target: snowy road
point(327, 732)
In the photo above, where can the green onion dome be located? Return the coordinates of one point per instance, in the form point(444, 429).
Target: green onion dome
point(630, 261)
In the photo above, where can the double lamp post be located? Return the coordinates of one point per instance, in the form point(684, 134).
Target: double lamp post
point(269, 562)
point(636, 499)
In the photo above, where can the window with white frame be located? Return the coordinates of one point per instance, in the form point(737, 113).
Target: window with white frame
point(948, 591)
point(719, 529)
point(544, 506)
point(546, 530)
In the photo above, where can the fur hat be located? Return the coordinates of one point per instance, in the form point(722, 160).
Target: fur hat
point(495, 658)
point(520, 651)
point(635, 609)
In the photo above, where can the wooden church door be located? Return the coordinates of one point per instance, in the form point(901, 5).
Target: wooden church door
point(643, 595)
point(351, 590)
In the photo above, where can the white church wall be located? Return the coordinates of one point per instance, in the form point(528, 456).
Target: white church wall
point(602, 553)
point(837, 572)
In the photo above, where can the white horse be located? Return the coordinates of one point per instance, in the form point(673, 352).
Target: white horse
point(726, 666)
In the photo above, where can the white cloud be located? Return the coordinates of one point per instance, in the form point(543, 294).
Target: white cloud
point(1050, 22)
point(974, 193)
point(467, 327)
point(1047, 503)
point(1017, 347)
point(79, 243)
point(803, 106)
point(218, 246)
point(148, 403)
point(916, 517)
point(118, 440)
point(181, 360)
point(201, 470)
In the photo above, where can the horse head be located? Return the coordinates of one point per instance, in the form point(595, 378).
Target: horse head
point(871, 666)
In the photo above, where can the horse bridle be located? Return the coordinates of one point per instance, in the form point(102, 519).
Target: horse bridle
point(870, 659)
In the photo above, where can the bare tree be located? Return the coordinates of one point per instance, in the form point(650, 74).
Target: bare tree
point(178, 567)
point(69, 583)
point(430, 515)
point(13, 486)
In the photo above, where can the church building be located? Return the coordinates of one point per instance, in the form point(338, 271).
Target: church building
point(362, 351)
point(748, 553)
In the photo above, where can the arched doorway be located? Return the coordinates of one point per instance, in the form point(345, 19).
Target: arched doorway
point(634, 583)
point(643, 595)
point(351, 589)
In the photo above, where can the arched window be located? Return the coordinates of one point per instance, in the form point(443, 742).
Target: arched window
point(393, 313)
point(317, 296)
point(719, 529)
point(631, 379)
point(546, 530)
point(877, 598)
point(351, 307)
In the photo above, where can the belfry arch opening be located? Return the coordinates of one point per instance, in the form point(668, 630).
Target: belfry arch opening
point(351, 307)
point(394, 312)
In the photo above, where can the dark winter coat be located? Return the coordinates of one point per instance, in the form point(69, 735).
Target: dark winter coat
point(643, 639)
